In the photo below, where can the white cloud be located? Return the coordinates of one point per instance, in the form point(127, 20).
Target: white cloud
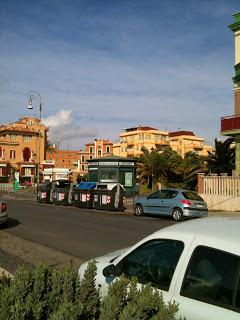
point(62, 118)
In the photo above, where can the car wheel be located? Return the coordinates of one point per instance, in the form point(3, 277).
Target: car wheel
point(177, 214)
point(139, 210)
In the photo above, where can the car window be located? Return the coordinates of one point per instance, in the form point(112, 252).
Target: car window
point(191, 195)
point(171, 194)
point(160, 194)
point(212, 277)
point(153, 262)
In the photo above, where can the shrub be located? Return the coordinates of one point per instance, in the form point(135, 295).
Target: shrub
point(55, 294)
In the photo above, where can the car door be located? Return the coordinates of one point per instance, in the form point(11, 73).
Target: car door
point(153, 262)
point(210, 286)
point(155, 203)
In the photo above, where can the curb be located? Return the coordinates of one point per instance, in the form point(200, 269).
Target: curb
point(5, 273)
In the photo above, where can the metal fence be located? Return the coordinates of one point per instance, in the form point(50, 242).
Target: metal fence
point(6, 186)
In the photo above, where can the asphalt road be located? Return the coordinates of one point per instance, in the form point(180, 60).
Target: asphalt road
point(79, 233)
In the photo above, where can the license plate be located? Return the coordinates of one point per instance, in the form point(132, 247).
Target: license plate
point(199, 205)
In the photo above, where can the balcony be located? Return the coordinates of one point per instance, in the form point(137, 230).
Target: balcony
point(230, 125)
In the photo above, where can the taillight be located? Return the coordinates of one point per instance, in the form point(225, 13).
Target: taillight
point(4, 207)
point(186, 202)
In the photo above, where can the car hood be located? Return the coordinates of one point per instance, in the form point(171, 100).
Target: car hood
point(103, 260)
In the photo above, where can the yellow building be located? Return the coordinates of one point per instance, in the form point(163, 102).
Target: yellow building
point(22, 148)
point(133, 139)
point(185, 141)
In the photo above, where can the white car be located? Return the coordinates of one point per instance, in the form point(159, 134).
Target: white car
point(196, 263)
point(3, 213)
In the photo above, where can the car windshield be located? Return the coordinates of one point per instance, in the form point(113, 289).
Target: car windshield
point(191, 195)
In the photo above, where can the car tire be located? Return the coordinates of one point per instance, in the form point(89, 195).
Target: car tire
point(138, 211)
point(177, 214)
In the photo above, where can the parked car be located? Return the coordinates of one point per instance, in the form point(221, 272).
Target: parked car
point(178, 203)
point(3, 213)
point(196, 263)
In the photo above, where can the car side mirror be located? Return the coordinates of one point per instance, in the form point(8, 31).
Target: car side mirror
point(109, 271)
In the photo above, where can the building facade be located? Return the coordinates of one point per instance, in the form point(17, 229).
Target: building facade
point(22, 149)
point(76, 160)
point(186, 141)
point(230, 125)
point(133, 139)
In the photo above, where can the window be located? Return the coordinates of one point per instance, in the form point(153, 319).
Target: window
point(83, 167)
point(99, 153)
point(90, 149)
point(12, 136)
point(12, 154)
point(191, 195)
point(27, 138)
point(160, 194)
point(28, 171)
point(212, 277)
point(83, 158)
point(26, 154)
point(90, 157)
point(108, 176)
point(154, 262)
point(108, 149)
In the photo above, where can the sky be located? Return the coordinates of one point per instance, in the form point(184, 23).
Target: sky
point(104, 65)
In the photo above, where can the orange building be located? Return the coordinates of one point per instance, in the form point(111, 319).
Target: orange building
point(22, 148)
point(186, 141)
point(76, 160)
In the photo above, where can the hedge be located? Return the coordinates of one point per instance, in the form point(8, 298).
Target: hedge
point(55, 294)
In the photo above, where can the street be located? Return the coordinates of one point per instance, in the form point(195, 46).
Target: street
point(60, 234)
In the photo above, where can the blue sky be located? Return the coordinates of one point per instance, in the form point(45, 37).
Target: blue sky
point(101, 66)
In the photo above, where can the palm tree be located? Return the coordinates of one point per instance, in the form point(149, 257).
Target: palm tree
point(223, 159)
point(192, 164)
point(150, 166)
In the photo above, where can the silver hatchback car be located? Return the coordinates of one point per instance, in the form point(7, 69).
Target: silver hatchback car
point(178, 203)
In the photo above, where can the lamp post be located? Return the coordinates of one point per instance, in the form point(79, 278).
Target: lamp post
point(152, 149)
point(32, 95)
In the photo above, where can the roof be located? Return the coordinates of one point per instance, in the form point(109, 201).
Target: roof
point(222, 230)
point(181, 133)
point(111, 158)
point(139, 128)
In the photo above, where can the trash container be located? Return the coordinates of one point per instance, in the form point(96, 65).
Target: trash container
point(44, 192)
point(109, 197)
point(62, 192)
point(83, 195)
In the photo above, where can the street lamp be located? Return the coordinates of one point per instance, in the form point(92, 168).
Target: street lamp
point(32, 95)
point(31, 99)
point(152, 149)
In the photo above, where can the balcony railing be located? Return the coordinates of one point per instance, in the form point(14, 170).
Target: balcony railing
point(230, 123)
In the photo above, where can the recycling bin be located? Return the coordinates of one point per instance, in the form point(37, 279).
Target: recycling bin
point(44, 192)
point(62, 192)
point(109, 197)
point(83, 195)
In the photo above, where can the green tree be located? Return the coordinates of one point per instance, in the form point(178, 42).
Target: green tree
point(223, 158)
point(192, 164)
point(151, 166)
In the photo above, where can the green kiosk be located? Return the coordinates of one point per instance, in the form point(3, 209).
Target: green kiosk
point(114, 170)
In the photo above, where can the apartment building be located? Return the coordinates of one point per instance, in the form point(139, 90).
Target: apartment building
point(133, 139)
point(22, 148)
point(76, 160)
point(186, 141)
point(100, 148)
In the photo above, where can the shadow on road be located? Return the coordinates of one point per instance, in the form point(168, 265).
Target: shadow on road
point(12, 223)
